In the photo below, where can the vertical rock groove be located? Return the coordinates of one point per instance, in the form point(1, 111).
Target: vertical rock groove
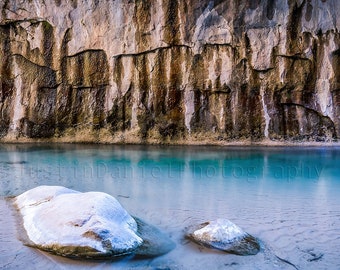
point(160, 71)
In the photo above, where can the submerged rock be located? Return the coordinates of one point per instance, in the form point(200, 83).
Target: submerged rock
point(155, 243)
point(86, 225)
point(224, 235)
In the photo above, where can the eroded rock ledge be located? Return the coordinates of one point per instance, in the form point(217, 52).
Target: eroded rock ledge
point(170, 71)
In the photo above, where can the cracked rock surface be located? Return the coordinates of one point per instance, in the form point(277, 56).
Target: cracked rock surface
point(170, 71)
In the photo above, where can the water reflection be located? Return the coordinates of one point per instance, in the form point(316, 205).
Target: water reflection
point(288, 197)
point(91, 167)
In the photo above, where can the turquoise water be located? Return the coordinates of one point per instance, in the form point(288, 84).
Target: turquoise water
point(287, 197)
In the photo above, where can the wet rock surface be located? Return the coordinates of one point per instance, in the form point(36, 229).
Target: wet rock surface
point(91, 225)
point(170, 71)
point(224, 235)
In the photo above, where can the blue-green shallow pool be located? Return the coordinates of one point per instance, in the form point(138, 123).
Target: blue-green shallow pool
point(287, 197)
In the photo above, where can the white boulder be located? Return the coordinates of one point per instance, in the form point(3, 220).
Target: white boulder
point(224, 235)
point(75, 224)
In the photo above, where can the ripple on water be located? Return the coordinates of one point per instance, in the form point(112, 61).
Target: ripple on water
point(299, 219)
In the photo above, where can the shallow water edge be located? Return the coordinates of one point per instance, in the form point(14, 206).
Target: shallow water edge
point(191, 141)
point(287, 197)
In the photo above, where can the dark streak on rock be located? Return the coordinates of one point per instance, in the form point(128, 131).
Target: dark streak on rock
point(151, 51)
point(69, 92)
point(270, 9)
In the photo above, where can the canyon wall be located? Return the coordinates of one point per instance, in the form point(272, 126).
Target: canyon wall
point(170, 71)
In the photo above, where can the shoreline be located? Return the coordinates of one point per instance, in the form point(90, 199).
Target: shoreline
point(133, 137)
point(207, 143)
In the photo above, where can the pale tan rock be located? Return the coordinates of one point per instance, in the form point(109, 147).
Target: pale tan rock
point(167, 71)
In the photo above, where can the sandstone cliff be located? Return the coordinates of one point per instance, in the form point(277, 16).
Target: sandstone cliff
point(170, 71)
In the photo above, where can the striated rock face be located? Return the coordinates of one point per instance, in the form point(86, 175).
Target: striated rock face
point(163, 71)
